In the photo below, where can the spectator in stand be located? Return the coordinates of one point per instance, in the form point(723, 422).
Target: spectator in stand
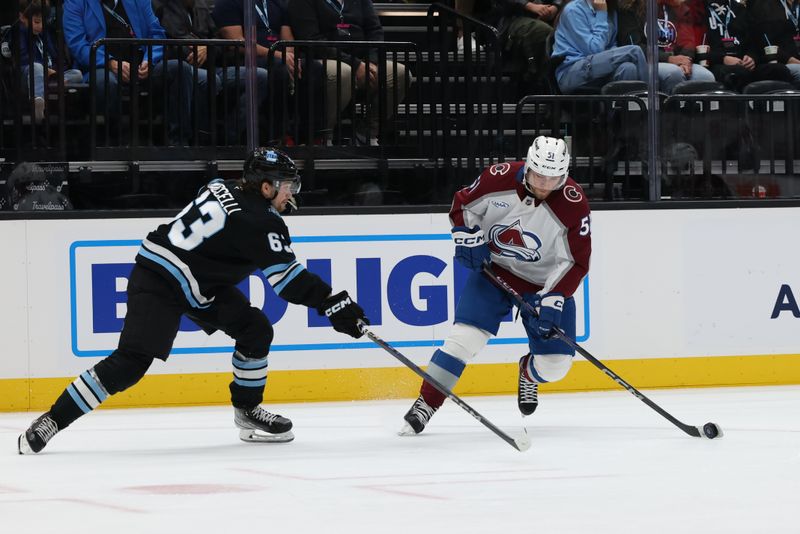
point(779, 22)
point(37, 48)
point(734, 57)
point(586, 35)
point(191, 19)
point(524, 28)
point(87, 21)
point(272, 24)
point(676, 49)
point(354, 20)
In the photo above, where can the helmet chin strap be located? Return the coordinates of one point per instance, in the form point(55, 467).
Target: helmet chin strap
point(528, 188)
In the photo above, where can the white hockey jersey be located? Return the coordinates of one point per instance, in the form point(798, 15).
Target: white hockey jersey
point(536, 246)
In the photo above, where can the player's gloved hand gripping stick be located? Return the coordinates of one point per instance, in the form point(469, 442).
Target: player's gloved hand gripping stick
point(344, 314)
point(521, 443)
point(709, 430)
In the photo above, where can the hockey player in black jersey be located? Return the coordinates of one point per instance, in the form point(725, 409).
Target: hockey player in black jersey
point(190, 266)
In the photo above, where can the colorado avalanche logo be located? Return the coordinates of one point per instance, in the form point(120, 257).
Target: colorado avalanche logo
point(513, 242)
point(572, 194)
point(500, 168)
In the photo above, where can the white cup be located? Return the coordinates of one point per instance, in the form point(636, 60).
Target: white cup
point(702, 51)
point(771, 52)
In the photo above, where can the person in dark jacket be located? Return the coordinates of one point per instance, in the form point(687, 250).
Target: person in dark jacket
point(286, 72)
point(37, 48)
point(676, 48)
point(777, 22)
point(354, 20)
point(191, 19)
point(524, 27)
point(734, 56)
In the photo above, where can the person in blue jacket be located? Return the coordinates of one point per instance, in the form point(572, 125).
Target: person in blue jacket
point(86, 21)
point(37, 48)
point(586, 36)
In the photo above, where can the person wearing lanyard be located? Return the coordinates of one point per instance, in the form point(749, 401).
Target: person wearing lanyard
point(285, 73)
point(43, 52)
point(779, 21)
point(350, 20)
point(191, 19)
point(735, 55)
point(87, 21)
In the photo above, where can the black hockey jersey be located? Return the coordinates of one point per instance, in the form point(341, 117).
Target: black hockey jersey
point(221, 237)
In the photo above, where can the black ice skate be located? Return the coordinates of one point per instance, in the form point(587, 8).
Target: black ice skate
point(417, 417)
point(38, 434)
point(528, 390)
point(257, 424)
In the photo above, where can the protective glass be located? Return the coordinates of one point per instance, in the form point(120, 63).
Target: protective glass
point(539, 181)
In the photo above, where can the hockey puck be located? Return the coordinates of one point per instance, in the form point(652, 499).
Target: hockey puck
point(523, 443)
point(711, 430)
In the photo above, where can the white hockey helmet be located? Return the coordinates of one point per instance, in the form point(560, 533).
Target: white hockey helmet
point(547, 165)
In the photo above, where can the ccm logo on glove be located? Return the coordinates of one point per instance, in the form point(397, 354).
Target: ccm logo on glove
point(344, 314)
point(339, 306)
point(472, 251)
point(470, 241)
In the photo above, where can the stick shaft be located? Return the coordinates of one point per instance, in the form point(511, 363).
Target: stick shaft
point(440, 387)
point(557, 332)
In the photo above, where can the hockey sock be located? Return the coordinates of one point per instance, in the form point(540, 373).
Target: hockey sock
point(81, 397)
point(249, 380)
point(446, 369)
point(116, 373)
point(529, 369)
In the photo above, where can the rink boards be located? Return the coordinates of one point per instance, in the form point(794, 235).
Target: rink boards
point(674, 298)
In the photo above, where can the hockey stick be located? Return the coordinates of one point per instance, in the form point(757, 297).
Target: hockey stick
point(709, 430)
point(522, 443)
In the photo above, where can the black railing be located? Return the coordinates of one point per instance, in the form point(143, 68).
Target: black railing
point(606, 135)
point(713, 145)
point(163, 115)
point(465, 91)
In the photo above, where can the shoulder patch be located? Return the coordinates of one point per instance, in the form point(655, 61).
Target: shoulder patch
point(500, 169)
point(572, 194)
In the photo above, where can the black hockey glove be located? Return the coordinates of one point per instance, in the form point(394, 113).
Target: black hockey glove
point(344, 314)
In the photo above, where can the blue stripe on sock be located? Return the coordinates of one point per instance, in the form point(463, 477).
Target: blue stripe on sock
point(444, 376)
point(451, 364)
point(250, 383)
point(533, 373)
point(78, 399)
point(249, 364)
point(95, 387)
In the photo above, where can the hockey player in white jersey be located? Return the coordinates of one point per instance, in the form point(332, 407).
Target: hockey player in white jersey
point(532, 223)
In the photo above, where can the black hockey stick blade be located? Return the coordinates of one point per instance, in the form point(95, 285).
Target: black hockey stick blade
point(521, 443)
point(709, 430)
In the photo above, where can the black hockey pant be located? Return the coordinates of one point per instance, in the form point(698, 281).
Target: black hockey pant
point(151, 324)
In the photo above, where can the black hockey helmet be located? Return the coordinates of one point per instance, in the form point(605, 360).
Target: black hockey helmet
point(273, 165)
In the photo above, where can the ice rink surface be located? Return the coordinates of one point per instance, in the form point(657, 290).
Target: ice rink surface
point(600, 463)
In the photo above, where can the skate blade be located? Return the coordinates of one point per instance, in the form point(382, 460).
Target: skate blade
point(406, 431)
point(23, 447)
point(253, 436)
